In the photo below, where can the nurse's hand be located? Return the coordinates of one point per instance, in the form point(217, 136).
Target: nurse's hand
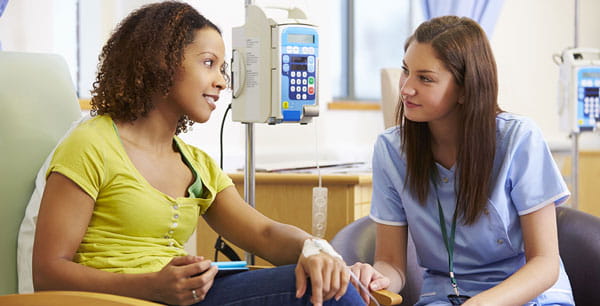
point(329, 277)
point(369, 278)
point(183, 281)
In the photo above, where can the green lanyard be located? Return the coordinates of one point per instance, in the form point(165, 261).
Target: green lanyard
point(449, 242)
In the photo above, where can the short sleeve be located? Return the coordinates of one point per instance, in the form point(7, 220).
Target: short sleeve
point(534, 177)
point(221, 179)
point(80, 160)
point(388, 177)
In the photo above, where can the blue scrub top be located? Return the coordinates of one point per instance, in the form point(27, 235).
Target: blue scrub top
point(524, 179)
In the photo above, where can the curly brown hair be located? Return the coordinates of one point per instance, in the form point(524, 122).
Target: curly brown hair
point(141, 57)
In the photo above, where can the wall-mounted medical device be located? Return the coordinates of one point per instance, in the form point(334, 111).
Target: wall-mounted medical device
point(579, 85)
point(275, 65)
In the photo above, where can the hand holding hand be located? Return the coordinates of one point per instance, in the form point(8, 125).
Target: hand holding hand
point(328, 273)
point(183, 281)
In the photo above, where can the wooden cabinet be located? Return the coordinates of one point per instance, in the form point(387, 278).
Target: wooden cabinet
point(589, 179)
point(287, 198)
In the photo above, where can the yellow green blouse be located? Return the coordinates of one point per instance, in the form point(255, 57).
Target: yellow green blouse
point(134, 227)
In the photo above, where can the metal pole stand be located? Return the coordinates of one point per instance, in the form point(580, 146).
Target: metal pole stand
point(249, 181)
point(574, 169)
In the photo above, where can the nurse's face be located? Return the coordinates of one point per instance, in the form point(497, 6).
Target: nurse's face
point(429, 91)
point(199, 81)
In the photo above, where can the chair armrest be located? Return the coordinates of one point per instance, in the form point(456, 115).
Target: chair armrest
point(71, 298)
point(258, 267)
point(386, 297)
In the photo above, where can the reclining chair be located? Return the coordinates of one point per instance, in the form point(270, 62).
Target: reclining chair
point(37, 105)
point(356, 243)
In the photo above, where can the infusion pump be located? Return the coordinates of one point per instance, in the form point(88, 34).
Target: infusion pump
point(275, 67)
point(579, 85)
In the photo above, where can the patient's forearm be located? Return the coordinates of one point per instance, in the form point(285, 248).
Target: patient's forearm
point(285, 243)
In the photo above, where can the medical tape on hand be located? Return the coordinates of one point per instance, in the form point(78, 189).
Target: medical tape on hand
point(314, 246)
point(363, 287)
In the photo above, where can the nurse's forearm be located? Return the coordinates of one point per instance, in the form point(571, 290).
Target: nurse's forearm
point(536, 276)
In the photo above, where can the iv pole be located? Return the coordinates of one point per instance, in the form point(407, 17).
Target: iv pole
point(249, 169)
point(575, 135)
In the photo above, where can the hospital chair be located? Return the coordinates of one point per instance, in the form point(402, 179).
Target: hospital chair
point(37, 105)
point(356, 243)
point(578, 240)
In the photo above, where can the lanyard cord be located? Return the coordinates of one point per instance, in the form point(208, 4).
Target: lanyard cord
point(448, 242)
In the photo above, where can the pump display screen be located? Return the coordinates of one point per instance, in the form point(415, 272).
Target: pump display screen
point(299, 59)
point(591, 74)
point(301, 38)
point(298, 67)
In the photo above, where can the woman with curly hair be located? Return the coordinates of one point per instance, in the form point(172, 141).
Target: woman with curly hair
point(123, 192)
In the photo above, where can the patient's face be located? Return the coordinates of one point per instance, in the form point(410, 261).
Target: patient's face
point(429, 91)
point(197, 84)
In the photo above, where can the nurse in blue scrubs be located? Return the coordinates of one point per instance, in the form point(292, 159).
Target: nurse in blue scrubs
point(475, 186)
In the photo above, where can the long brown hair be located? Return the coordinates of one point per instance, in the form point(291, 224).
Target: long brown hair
point(141, 57)
point(461, 44)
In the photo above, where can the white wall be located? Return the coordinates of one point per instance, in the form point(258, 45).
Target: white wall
point(526, 36)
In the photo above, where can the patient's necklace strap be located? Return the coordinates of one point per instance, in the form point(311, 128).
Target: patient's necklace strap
point(448, 241)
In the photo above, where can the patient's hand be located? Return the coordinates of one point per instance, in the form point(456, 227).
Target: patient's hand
point(328, 275)
point(369, 277)
point(176, 281)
